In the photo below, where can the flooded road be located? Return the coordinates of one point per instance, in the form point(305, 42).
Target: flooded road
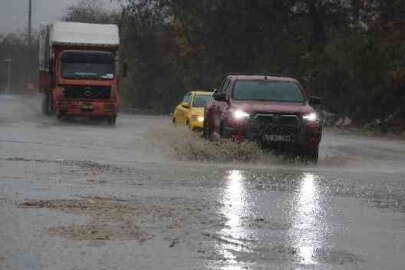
point(84, 195)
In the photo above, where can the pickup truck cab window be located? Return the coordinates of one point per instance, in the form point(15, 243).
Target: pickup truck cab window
point(268, 91)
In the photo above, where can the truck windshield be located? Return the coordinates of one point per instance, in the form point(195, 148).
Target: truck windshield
point(201, 100)
point(88, 65)
point(268, 91)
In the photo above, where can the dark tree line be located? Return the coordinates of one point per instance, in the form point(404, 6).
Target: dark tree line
point(24, 63)
point(349, 52)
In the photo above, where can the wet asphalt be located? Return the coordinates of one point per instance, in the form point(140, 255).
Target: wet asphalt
point(347, 212)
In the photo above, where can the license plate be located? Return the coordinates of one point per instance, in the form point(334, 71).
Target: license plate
point(87, 107)
point(277, 138)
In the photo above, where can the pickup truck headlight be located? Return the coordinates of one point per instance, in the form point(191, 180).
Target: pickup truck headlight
point(311, 117)
point(239, 115)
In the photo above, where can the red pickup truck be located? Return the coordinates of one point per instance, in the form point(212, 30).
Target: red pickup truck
point(273, 111)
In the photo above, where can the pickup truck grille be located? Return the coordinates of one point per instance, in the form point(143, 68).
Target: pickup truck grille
point(87, 92)
point(261, 124)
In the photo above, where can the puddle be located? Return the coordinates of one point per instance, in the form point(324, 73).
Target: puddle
point(276, 218)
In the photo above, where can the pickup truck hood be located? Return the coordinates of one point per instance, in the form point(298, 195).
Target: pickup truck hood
point(272, 107)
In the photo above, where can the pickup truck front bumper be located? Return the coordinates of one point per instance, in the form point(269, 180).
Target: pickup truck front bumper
point(279, 131)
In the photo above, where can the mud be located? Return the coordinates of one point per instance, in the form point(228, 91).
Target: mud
point(108, 219)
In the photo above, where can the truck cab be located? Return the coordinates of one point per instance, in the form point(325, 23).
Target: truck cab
point(79, 69)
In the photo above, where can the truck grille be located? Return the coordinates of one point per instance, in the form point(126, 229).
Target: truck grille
point(273, 124)
point(87, 92)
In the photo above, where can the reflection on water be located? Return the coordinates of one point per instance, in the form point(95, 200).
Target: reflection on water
point(305, 216)
point(234, 201)
point(235, 205)
point(306, 219)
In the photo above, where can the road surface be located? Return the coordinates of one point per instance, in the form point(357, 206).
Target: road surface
point(84, 195)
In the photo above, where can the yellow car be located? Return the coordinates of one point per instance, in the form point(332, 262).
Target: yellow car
point(190, 111)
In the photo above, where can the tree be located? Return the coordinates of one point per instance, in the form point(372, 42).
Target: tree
point(89, 11)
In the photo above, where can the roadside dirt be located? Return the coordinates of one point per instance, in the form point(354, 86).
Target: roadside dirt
point(108, 219)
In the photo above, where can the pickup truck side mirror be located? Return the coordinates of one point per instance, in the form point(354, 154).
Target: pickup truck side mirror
point(219, 96)
point(185, 105)
point(315, 101)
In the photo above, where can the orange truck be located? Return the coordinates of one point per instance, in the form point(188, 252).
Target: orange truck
point(79, 69)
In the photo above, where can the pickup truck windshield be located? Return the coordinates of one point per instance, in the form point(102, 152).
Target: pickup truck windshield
point(268, 91)
point(201, 100)
point(88, 65)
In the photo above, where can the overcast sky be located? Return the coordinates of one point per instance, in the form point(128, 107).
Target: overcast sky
point(14, 13)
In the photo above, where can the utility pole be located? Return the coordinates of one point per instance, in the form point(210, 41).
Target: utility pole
point(29, 22)
point(8, 63)
point(30, 50)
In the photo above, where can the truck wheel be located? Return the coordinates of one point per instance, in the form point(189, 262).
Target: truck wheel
point(46, 104)
point(112, 120)
point(60, 116)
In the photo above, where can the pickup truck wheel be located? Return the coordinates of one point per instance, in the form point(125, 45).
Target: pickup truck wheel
point(222, 130)
point(205, 129)
point(311, 155)
point(209, 132)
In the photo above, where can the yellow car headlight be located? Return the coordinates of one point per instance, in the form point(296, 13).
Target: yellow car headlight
point(198, 118)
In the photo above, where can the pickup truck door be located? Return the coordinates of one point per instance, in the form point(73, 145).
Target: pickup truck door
point(220, 106)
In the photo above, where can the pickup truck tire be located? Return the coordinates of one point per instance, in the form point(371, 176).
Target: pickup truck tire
point(205, 129)
point(222, 130)
point(311, 155)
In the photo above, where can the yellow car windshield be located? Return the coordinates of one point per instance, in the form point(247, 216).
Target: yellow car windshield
point(201, 100)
